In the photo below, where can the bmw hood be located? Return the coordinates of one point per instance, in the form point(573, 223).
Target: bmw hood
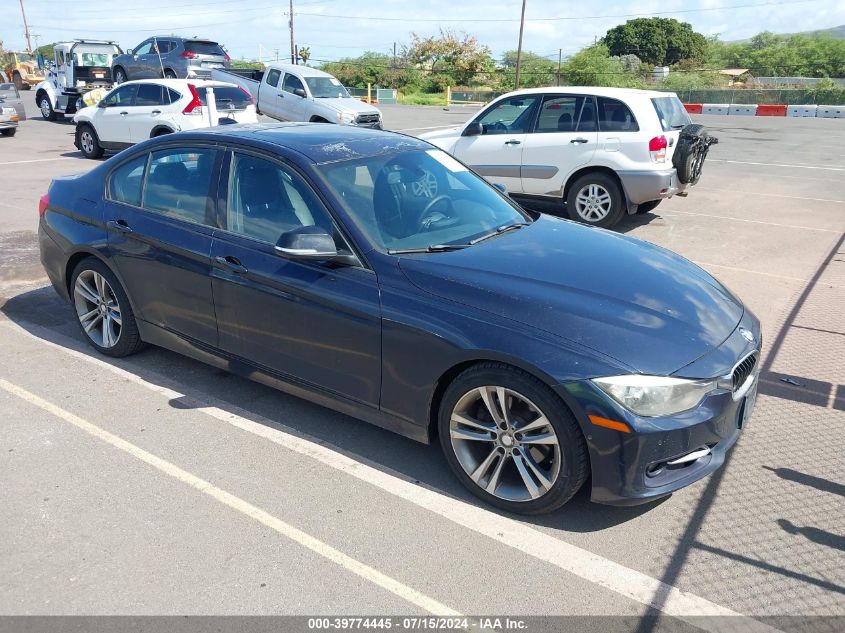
point(646, 307)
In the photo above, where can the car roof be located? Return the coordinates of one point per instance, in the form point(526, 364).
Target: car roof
point(303, 71)
point(319, 142)
point(182, 83)
point(599, 91)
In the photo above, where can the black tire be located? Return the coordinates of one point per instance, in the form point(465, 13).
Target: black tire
point(18, 81)
point(120, 75)
point(91, 149)
point(611, 186)
point(686, 157)
point(129, 338)
point(161, 132)
point(169, 74)
point(648, 207)
point(574, 467)
point(46, 108)
point(9, 131)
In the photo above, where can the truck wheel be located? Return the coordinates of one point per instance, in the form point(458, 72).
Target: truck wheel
point(595, 199)
point(119, 75)
point(89, 144)
point(18, 81)
point(9, 131)
point(46, 108)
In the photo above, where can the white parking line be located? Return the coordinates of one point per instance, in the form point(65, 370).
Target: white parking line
point(236, 503)
point(591, 567)
point(37, 160)
point(794, 166)
point(433, 127)
point(776, 195)
point(735, 219)
point(752, 272)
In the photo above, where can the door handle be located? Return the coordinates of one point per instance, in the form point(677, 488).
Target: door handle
point(280, 95)
point(231, 263)
point(124, 113)
point(156, 112)
point(513, 141)
point(579, 140)
point(119, 225)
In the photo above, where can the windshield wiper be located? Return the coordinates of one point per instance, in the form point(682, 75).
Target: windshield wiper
point(499, 231)
point(434, 248)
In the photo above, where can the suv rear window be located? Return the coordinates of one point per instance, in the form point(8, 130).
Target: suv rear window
point(226, 97)
point(671, 112)
point(204, 48)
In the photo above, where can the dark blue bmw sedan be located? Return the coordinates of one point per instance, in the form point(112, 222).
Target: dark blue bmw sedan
point(374, 274)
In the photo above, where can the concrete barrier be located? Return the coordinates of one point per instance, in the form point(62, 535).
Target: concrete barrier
point(802, 110)
point(771, 110)
point(830, 112)
point(715, 108)
point(743, 109)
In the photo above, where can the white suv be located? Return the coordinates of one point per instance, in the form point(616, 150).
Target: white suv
point(137, 110)
point(602, 151)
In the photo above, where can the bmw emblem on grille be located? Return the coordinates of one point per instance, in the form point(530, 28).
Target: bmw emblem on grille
point(747, 335)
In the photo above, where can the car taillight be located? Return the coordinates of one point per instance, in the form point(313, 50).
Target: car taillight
point(43, 203)
point(227, 58)
point(188, 55)
point(657, 149)
point(195, 106)
point(249, 96)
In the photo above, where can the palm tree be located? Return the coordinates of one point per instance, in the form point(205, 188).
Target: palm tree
point(305, 54)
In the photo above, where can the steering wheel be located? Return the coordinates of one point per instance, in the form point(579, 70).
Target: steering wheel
point(429, 220)
point(498, 126)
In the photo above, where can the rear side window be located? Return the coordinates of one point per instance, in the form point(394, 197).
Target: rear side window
point(226, 98)
point(125, 181)
point(273, 77)
point(178, 184)
point(204, 48)
point(671, 112)
point(615, 116)
point(148, 95)
point(559, 114)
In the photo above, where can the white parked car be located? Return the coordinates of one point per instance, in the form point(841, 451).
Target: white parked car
point(137, 110)
point(601, 151)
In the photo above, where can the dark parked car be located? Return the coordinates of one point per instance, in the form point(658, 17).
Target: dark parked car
point(171, 57)
point(301, 256)
point(11, 109)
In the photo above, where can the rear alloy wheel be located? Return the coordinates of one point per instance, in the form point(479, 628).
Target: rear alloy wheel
point(103, 310)
point(46, 109)
point(511, 441)
point(119, 75)
point(169, 74)
point(89, 144)
point(595, 199)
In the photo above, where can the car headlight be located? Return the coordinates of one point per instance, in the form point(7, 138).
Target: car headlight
point(652, 396)
point(345, 118)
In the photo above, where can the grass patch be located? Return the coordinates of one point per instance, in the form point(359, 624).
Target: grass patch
point(422, 98)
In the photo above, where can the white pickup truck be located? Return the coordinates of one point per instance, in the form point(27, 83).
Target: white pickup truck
point(299, 93)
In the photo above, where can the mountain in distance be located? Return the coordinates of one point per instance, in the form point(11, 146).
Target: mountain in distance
point(836, 31)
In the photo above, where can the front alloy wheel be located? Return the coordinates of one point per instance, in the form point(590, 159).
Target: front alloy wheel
point(505, 443)
point(46, 109)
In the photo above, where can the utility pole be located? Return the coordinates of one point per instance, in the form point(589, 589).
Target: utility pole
point(519, 48)
point(394, 54)
point(292, 49)
point(559, 58)
point(26, 30)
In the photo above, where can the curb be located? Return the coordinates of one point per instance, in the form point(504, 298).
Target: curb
point(819, 111)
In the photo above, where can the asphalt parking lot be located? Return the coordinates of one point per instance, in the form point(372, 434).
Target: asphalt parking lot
point(158, 485)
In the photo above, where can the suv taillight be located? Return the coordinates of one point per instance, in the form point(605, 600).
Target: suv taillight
point(195, 106)
point(244, 90)
point(43, 203)
point(657, 149)
point(227, 58)
point(189, 55)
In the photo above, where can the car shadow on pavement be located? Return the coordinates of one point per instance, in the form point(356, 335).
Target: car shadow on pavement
point(44, 315)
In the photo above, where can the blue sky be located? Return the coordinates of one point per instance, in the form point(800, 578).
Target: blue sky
point(337, 28)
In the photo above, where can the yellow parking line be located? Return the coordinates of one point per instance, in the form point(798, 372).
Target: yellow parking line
point(236, 503)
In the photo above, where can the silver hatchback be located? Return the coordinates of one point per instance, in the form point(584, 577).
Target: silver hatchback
point(171, 57)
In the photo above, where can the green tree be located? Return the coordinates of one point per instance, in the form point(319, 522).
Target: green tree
point(377, 69)
point(456, 58)
point(536, 71)
point(656, 41)
point(593, 66)
point(304, 54)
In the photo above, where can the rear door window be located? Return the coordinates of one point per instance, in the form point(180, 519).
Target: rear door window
point(273, 77)
point(204, 48)
point(178, 184)
point(615, 116)
point(125, 182)
point(587, 117)
point(671, 112)
point(149, 95)
point(559, 114)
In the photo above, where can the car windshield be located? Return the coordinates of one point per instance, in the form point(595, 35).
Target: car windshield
point(94, 59)
point(420, 201)
point(326, 88)
point(25, 57)
point(671, 112)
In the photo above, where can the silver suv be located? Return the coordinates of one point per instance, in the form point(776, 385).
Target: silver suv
point(171, 57)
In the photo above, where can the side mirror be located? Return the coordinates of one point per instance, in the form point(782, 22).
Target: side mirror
point(300, 92)
point(102, 104)
point(128, 51)
point(501, 187)
point(473, 129)
point(307, 242)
